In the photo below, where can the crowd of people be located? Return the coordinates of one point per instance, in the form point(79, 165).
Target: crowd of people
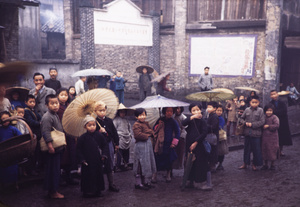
point(160, 148)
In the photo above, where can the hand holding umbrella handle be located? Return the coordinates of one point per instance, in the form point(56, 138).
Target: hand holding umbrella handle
point(101, 128)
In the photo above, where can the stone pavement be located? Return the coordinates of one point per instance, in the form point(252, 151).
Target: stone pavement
point(232, 187)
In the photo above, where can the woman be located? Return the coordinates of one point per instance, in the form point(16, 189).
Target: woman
point(166, 142)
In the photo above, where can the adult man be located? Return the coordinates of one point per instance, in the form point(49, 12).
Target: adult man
point(294, 94)
point(52, 82)
point(79, 86)
point(40, 92)
point(205, 82)
point(284, 129)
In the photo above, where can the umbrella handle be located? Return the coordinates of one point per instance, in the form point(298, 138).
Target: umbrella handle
point(99, 124)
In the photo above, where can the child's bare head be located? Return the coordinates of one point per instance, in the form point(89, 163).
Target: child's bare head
point(20, 111)
point(100, 109)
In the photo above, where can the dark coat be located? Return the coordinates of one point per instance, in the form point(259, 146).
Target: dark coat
point(196, 132)
point(88, 150)
point(33, 119)
point(270, 142)
point(171, 130)
point(213, 127)
point(284, 128)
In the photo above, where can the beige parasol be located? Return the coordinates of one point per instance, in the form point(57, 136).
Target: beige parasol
point(225, 90)
point(84, 104)
point(161, 76)
point(282, 93)
point(245, 88)
point(210, 96)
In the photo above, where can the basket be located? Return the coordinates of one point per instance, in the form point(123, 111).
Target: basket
point(15, 149)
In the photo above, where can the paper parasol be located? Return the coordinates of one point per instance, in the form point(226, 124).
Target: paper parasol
point(140, 69)
point(84, 104)
point(210, 96)
point(247, 89)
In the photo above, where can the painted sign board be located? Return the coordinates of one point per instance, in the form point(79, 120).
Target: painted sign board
point(225, 55)
point(121, 23)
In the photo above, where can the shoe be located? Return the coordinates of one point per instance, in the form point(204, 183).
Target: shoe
point(206, 188)
point(113, 188)
point(220, 167)
point(272, 167)
point(141, 187)
point(265, 167)
point(148, 185)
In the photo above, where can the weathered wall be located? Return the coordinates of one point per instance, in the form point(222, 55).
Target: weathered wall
point(9, 20)
point(123, 58)
point(29, 33)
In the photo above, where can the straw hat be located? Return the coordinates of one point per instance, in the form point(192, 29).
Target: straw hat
point(140, 69)
point(129, 112)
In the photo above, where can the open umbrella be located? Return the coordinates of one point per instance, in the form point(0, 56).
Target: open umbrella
point(84, 104)
point(13, 71)
point(210, 96)
point(161, 76)
point(282, 93)
point(225, 90)
point(153, 115)
point(92, 72)
point(23, 92)
point(245, 88)
point(159, 101)
point(187, 169)
point(140, 69)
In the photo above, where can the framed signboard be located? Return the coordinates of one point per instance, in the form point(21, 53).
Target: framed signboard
point(231, 55)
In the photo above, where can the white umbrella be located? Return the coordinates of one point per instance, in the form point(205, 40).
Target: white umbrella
point(159, 101)
point(92, 72)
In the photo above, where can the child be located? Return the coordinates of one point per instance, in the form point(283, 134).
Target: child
point(222, 144)
point(20, 126)
point(15, 100)
point(9, 174)
point(124, 131)
point(240, 126)
point(89, 146)
point(144, 161)
point(145, 84)
point(33, 119)
point(72, 93)
point(180, 148)
point(109, 131)
point(213, 127)
point(231, 120)
point(270, 141)
point(68, 161)
point(49, 121)
point(280, 111)
point(120, 84)
point(79, 86)
point(4, 102)
point(196, 133)
point(253, 119)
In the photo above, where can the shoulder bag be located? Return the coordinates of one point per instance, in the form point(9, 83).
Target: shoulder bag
point(59, 140)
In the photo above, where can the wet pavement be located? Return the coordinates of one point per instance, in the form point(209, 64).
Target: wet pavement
point(231, 187)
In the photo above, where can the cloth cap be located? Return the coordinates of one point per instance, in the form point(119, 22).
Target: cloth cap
point(87, 119)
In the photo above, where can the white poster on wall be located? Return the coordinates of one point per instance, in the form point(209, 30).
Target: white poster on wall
point(121, 23)
point(225, 55)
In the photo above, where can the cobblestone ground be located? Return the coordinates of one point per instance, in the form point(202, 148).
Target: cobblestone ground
point(232, 187)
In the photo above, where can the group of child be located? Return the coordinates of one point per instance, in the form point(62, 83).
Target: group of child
point(105, 137)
